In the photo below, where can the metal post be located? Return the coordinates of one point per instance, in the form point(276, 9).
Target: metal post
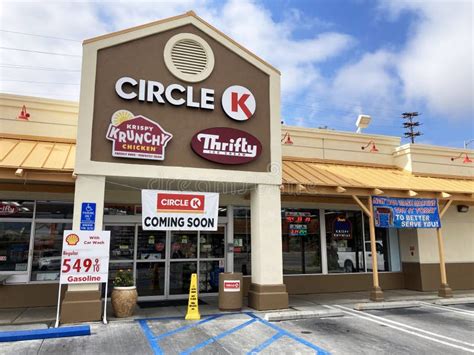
point(376, 294)
point(444, 289)
point(104, 318)
point(58, 305)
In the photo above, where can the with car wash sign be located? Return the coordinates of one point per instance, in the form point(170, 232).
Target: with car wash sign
point(177, 210)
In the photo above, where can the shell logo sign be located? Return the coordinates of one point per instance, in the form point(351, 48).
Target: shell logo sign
point(137, 137)
point(72, 239)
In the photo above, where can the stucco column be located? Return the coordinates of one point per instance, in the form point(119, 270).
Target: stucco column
point(267, 290)
point(83, 302)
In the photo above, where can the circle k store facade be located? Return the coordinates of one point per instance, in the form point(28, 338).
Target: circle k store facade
point(176, 105)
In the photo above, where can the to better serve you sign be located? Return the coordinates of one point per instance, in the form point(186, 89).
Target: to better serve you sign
point(177, 210)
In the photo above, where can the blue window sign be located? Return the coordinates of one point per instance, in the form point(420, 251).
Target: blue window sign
point(391, 212)
point(88, 216)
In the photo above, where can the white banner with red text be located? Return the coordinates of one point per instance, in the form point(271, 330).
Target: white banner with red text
point(178, 210)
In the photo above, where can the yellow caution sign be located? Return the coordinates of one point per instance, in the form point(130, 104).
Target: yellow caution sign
point(193, 308)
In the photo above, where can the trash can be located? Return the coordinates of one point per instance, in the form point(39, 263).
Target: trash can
point(230, 291)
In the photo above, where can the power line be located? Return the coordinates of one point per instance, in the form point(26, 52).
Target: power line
point(40, 52)
point(37, 82)
point(28, 67)
point(42, 36)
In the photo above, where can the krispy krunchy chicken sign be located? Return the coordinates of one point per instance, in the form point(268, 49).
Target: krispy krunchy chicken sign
point(137, 137)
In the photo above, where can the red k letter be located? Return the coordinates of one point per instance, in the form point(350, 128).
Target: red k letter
point(236, 102)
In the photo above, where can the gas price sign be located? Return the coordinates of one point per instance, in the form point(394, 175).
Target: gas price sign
point(85, 257)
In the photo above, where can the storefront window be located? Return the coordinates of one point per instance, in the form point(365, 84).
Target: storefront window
point(209, 276)
point(121, 242)
point(212, 244)
point(47, 250)
point(183, 245)
point(301, 241)
point(151, 245)
point(387, 249)
point(151, 278)
point(242, 244)
point(344, 241)
point(16, 209)
point(111, 209)
point(14, 245)
point(54, 209)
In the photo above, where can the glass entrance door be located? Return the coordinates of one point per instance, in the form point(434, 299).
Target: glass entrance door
point(163, 261)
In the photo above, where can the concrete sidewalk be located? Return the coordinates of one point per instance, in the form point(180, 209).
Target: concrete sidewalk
point(16, 318)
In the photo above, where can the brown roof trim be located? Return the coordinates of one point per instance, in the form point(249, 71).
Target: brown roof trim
point(24, 137)
point(174, 18)
point(340, 162)
point(444, 176)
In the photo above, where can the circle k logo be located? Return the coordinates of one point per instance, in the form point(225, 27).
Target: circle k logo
point(238, 103)
point(195, 203)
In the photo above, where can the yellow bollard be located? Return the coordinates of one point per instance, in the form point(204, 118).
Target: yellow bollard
point(193, 307)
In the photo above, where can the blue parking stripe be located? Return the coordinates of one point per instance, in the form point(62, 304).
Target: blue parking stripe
point(217, 337)
point(291, 335)
point(150, 337)
point(266, 343)
point(186, 327)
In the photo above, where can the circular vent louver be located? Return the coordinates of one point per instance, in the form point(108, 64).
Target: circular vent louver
point(189, 57)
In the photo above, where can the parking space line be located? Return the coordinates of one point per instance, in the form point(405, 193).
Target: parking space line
point(219, 336)
point(292, 336)
point(404, 328)
point(150, 337)
point(186, 327)
point(452, 309)
point(266, 343)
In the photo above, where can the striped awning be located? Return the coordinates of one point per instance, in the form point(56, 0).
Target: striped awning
point(316, 174)
point(37, 154)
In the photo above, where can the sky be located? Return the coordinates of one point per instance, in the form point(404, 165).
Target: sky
point(338, 58)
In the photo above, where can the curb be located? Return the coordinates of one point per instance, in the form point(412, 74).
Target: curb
point(450, 301)
point(386, 305)
point(294, 315)
point(19, 335)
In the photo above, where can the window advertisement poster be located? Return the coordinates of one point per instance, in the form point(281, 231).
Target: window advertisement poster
point(85, 257)
point(391, 212)
point(341, 228)
point(179, 211)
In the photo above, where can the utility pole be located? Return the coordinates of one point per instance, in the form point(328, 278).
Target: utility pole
point(410, 125)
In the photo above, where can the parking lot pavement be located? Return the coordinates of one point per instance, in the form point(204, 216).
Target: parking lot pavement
point(224, 333)
point(420, 330)
point(426, 329)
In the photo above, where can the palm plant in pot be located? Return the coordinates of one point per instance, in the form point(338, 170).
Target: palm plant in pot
point(124, 294)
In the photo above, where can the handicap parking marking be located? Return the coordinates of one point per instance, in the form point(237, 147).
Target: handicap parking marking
point(154, 340)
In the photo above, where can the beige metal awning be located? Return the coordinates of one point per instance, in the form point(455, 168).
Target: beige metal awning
point(326, 178)
point(36, 159)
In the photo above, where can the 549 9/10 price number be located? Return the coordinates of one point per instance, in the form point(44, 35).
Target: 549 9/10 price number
point(80, 265)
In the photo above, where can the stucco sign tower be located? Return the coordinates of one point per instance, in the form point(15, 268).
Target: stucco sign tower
point(180, 101)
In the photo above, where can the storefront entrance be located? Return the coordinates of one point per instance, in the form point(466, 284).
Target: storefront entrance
point(163, 261)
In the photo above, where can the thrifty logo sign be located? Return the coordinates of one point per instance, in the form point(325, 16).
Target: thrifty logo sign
point(180, 203)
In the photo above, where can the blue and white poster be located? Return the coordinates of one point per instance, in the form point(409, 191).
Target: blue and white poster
point(392, 212)
point(88, 216)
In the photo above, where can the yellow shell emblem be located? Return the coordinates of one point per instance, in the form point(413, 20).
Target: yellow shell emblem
point(121, 116)
point(72, 239)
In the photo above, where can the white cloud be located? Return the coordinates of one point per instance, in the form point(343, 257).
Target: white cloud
point(246, 21)
point(436, 65)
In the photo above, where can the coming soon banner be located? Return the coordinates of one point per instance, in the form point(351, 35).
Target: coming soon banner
point(177, 210)
point(391, 212)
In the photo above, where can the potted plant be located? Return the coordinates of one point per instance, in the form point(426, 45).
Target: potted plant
point(124, 295)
